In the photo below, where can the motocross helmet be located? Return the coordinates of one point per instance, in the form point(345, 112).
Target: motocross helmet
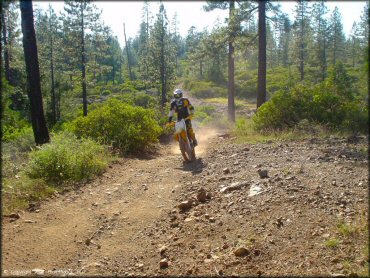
point(177, 94)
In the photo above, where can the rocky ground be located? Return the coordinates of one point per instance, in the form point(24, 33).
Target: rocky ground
point(278, 208)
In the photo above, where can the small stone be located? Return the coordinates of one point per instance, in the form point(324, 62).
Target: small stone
point(202, 195)
point(29, 221)
point(226, 171)
point(263, 173)
point(97, 264)
point(163, 263)
point(14, 215)
point(88, 241)
point(186, 205)
point(241, 252)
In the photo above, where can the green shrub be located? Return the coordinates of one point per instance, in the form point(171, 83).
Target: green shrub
point(15, 153)
point(333, 103)
point(18, 192)
point(127, 128)
point(284, 109)
point(139, 99)
point(67, 158)
point(12, 122)
point(132, 86)
point(106, 93)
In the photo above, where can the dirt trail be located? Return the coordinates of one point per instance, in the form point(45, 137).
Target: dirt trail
point(278, 208)
point(102, 223)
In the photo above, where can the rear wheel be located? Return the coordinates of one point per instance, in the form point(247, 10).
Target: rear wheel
point(188, 152)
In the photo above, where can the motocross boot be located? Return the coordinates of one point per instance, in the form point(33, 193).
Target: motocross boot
point(192, 135)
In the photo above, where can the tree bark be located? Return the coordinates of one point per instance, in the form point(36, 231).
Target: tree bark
point(162, 73)
point(40, 129)
point(53, 98)
point(83, 66)
point(5, 44)
point(201, 69)
point(231, 83)
point(261, 90)
point(301, 53)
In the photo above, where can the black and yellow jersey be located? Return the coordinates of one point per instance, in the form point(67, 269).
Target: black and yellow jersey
point(182, 107)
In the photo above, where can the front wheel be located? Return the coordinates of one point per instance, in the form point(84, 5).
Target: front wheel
point(187, 151)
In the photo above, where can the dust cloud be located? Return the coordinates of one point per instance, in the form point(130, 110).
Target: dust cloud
point(204, 135)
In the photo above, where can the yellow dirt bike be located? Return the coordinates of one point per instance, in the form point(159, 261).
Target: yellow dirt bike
point(185, 141)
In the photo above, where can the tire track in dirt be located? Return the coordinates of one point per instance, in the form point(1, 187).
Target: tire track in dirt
point(99, 228)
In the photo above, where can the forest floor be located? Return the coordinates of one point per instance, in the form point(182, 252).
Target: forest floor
point(275, 208)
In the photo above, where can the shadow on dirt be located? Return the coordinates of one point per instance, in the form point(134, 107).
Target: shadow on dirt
point(195, 167)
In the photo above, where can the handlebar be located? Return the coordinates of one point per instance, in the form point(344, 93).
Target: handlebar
point(173, 122)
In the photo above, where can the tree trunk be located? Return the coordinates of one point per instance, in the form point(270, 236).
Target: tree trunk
point(58, 105)
point(5, 44)
point(40, 129)
point(201, 69)
point(301, 53)
point(261, 90)
point(127, 52)
point(53, 98)
point(162, 73)
point(231, 83)
point(324, 59)
point(83, 68)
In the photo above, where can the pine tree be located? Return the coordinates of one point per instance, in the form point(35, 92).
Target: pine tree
point(10, 34)
point(284, 39)
point(355, 45)
point(143, 43)
point(161, 58)
point(301, 33)
point(261, 86)
point(233, 27)
point(320, 29)
point(336, 37)
point(40, 129)
point(364, 26)
point(81, 16)
point(49, 42)
point(195, 53)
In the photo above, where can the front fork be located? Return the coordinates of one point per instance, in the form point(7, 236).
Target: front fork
point(183, 136)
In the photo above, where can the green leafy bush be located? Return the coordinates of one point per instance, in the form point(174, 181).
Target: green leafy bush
point(67, 158)
point(106, 93)
point(133, 86)
point(329, 104)
point(139, 99)
point(13, 124)
point(127, 128)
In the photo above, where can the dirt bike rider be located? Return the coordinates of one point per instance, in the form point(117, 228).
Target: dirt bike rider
point(183, 108)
